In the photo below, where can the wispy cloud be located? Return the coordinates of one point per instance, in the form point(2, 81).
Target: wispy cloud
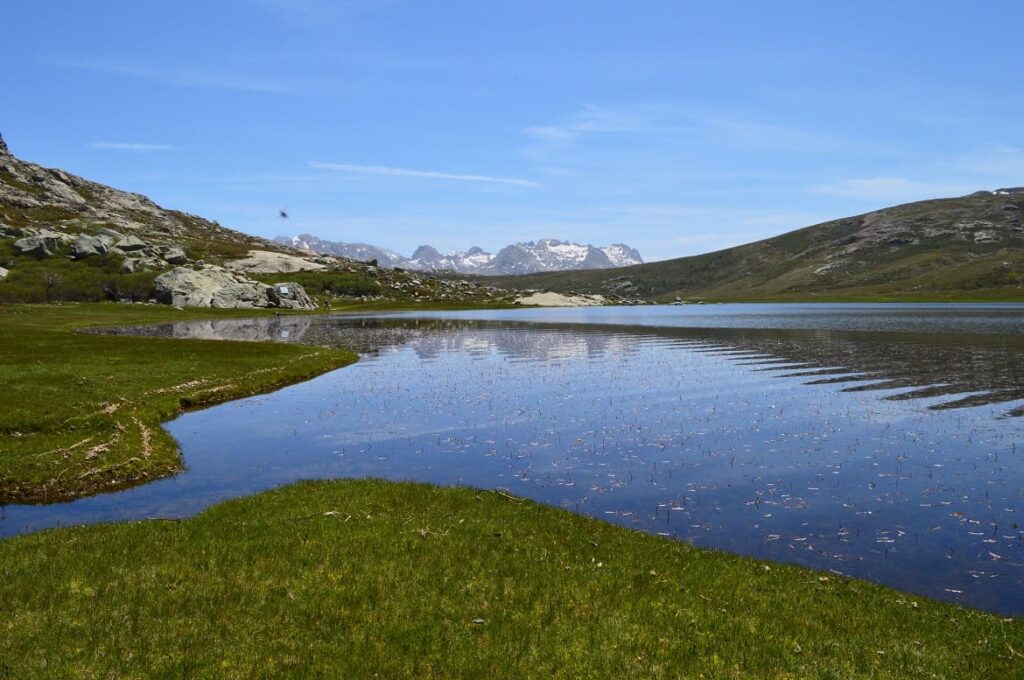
point(129, 146)
point(1005, 162)
point(183, 76)
point(673, 124)
point(427, 174)
point(891, 189)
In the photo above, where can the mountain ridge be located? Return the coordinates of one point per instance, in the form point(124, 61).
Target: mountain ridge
point(967, 246)
point(528, 257)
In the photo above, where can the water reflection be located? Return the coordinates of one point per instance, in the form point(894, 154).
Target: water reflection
point(977, 369)
point(884, 455)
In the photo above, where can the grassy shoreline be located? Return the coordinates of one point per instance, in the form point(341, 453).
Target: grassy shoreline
point(362, 578)
point(85, 410)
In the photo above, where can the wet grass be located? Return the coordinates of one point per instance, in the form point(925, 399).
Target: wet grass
point(82, 412)
point(368, 578)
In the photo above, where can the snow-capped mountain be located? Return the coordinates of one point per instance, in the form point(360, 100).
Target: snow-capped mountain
point(363, 252)
point(545, 255)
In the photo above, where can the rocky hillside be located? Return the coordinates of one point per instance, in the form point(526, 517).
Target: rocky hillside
point(65, 238)
point(34, 197)
point(546, 255)
point(966, 247)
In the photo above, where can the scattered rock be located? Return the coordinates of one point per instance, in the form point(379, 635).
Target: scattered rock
point(86, 245)
point(4, 273)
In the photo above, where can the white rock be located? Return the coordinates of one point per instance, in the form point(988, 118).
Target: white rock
point(267, 262)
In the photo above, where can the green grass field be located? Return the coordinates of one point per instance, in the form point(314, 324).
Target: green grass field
point(376, 579)
point(82, 412)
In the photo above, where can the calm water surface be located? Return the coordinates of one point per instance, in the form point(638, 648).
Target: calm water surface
point(879, 441)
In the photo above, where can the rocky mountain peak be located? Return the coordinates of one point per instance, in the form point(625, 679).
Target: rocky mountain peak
point(3, 146)
point(426, 253)
point(546, 254)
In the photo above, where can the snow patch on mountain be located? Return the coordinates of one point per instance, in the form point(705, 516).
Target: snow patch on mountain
point(545, 255)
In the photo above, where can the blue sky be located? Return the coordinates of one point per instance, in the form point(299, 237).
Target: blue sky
point(677, 127)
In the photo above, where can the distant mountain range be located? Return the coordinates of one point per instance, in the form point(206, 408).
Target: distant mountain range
point(545, 255)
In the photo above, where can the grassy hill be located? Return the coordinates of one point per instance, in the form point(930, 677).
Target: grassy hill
point(970, 247)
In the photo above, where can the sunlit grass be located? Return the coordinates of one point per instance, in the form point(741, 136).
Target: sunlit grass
point(357, 578)
point(82, 413)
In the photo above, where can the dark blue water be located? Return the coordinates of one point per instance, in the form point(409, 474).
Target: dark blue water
point(876, 441)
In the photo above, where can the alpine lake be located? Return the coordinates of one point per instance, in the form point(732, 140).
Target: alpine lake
point(880, 441)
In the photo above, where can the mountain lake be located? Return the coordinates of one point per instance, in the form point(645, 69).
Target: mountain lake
point(881, 441)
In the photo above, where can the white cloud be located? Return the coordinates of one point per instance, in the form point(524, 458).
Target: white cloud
point(1006, 163)
point(427, 174)
point(671, 123)
point(128, 146)
point(891, 189)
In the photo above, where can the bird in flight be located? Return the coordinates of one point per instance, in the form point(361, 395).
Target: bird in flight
point(283, 214)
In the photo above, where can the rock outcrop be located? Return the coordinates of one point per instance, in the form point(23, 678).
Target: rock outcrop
point(42, 244)
point(214, 286)
point(267, 262)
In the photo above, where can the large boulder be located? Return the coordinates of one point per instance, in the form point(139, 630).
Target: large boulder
point(43, 244)
point(109, 236)
point(86, 245)
point(293, 296)
point(214, 286)
point(34, 246)
point(130, 244)
point(173, 254)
